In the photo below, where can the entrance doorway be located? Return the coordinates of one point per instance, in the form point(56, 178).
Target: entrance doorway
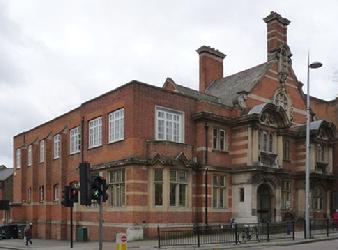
point(264, 203)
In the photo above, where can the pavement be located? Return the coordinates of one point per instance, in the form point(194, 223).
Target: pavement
point(149, 244)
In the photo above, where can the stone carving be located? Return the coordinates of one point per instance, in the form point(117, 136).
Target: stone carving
point(283, 55)
point(282, 99)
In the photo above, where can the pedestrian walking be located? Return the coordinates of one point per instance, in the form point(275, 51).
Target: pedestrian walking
point(28, 234)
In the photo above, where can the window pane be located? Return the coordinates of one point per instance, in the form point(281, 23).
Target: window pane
point(173, 194)
point(158, 194)
point(158, 175)
point(182, 194)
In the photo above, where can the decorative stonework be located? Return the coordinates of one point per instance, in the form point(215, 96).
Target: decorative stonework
point(282, 99)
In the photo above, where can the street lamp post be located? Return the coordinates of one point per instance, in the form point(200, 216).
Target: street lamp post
point(313, 65)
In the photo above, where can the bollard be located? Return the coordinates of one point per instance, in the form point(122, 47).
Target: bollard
point(158, 235)
point(327, 227)
point(268, 231)
point(293, 230)
point(236, 233)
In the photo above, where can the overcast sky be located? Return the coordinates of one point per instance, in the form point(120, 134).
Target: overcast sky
point(56, 54)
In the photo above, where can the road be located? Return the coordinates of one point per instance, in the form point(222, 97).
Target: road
point(322, 245)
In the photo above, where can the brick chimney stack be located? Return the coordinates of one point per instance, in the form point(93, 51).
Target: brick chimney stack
point(211, 66)
point(276, 31)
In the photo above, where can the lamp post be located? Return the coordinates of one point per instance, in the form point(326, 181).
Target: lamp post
point(313, 65)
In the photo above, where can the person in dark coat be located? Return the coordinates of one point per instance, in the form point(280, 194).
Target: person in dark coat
point(28, 233)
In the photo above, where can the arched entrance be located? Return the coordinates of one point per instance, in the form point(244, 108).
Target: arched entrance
point(264, 203)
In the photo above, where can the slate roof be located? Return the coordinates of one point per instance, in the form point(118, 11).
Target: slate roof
point(5, 173)
point(228, 88)
point(196, 94)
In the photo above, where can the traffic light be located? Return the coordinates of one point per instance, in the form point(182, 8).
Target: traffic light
point(85, 186)
point(66, 198)
point(98, 189)
point(104, 190)
point(74, 194)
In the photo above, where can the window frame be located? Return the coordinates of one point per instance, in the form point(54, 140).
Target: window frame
point(180, 123)
point(218, 140)
point(318, 198)
point(30, 155)
point(115, 186)
point(56, 192)
point(56, 146)
point(241, 194)
point(42, 151)
point(116, 118)
point(219, 195)
point(286, 194)
point(29, 195)
point(286, 150)
point(158, 183)
point(42, 193)
point(179, 184)
point(95, 130)
point(320, 153)
point(18, 158)
point(75, 140)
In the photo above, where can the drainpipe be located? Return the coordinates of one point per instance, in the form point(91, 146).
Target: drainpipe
point(206, 197)
point(206, 173)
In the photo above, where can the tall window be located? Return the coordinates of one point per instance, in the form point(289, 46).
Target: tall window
point(117, 188)
point(266, 142)
point(169, 125)
point(57, 146)
point(158, 187)
point(56, 192)
point(178, 188)
point(75, 140)
point(116, 125)
point(241, 194)
point(218, 191)
point(29, 194)
point(30, 155)
point(95, 132)
point(41, 193)
point(42, 151)
point(18, 158)
point(317, 198)
point(286, 194)
point(320, 153)
point(219, 139)
point(286, 149)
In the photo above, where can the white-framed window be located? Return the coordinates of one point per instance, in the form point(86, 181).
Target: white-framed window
point(116, 125)
point(286, 195)
point(95, 133)
point(169, 125)
point(29, 194)
point(41, 193)
point(18, 157)
point(75, 140)
point(219, 139)
point(117, 188)
point(178, 188)
point(57, 146)
point(30, 155)
point(219, 191)
point(56, 194)
point(266, 142)
point(158, 187)
point(42, 151)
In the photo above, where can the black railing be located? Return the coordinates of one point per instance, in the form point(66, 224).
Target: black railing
point(321, 227)
point(225, 234)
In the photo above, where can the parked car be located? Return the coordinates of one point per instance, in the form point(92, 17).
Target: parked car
point(9, 231)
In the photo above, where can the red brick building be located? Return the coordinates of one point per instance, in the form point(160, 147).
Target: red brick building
point(174, 156)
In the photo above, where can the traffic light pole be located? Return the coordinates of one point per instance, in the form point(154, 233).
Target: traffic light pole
point(100, 221)
point(71, 227)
